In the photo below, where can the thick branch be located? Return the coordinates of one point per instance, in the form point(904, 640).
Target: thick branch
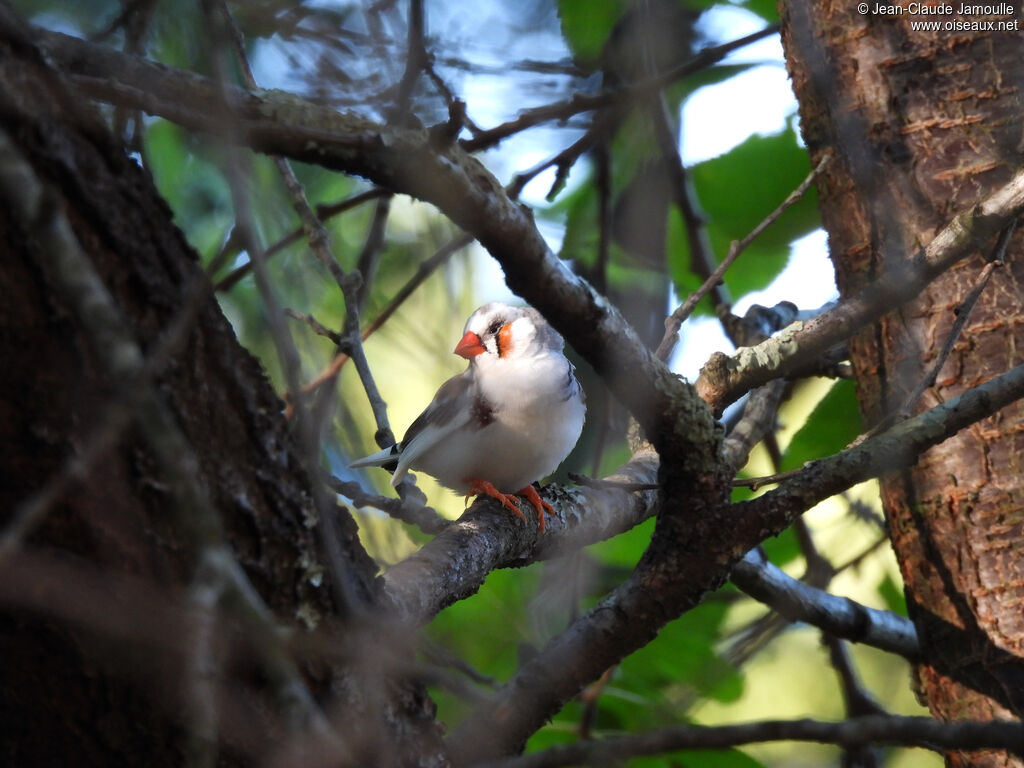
point(891, 451)
point(725, 378)
point(838, 616)
point(456, 562)
point(454, 565)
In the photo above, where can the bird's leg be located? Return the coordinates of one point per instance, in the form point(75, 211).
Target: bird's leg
point(477, 487)
point(531, 495)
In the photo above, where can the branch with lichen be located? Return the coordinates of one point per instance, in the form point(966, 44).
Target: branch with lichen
point(725, 378)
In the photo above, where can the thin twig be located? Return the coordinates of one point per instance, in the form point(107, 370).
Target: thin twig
point(604, 485)
point(723, 379)
point(962, 313)
point(313, 323)
point(758, 419)
point(423, 517)
point(324, 211)
point(425, 269)
point(677, 318)
point(347, 595)
point(441, 656)
point(702, 255)
point(128, 10)
point(857, 559)
point(564, 160)
point(318, 239)
point(590, 696)
point(415, 58)
point(754, 483)
point(819, 572)
point(603, 163)
point(857, 701)
point(580, 103)
point(366, 264)
point(890, 730)
point(899, 446)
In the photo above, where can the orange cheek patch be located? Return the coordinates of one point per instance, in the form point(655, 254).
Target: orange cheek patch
point(505, 340)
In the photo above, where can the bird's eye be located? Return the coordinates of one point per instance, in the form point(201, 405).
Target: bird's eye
point(495, 327)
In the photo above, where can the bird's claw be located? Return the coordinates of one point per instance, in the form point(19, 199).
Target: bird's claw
point(510, 500)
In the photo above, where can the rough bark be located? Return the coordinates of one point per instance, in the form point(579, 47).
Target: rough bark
point(925, 124)
point(94, 691)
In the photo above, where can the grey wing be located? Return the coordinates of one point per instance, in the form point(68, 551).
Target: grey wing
point(448, 411)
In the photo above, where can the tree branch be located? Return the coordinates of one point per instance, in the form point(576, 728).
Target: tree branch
point(579, 103)
point(876, 729)
point(698, 536)
point(663, 587)
point(724, 378)
point(455, 564)
point(891, 451)
point(838, 616)
point(407, 161)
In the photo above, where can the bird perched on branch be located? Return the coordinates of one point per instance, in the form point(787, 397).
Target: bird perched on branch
point(507, 421)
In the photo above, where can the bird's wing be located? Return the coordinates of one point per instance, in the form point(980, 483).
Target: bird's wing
point(450, 410)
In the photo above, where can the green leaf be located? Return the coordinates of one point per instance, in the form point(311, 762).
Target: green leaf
point(766, 9)
point(586, 25)
point(194, 188)
point(624, 550)
point(497, 614)
point(770, 167)
point(783, 548)
point(579, 243)
point(892, 594)
point(682, 660)
point(581, 239)
point(684, 277)
point(736, 191)
point(833, 424)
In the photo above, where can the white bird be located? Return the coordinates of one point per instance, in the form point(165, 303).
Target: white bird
point(509, 419)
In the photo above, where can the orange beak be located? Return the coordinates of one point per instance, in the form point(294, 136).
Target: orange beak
point(470, 346)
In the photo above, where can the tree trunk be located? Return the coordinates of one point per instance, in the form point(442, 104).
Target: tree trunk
point(108, 687)
point(924, 124)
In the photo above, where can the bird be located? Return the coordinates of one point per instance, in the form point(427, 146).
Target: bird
point(508, 420)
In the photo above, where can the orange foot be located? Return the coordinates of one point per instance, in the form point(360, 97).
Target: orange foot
point(477, 487)
point(531, 495)
point(509, 499)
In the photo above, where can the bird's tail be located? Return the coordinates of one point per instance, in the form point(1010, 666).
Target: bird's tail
point(388, 459)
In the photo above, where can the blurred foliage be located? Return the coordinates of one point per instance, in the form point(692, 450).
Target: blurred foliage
point(343, 53)
point(833, 425)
